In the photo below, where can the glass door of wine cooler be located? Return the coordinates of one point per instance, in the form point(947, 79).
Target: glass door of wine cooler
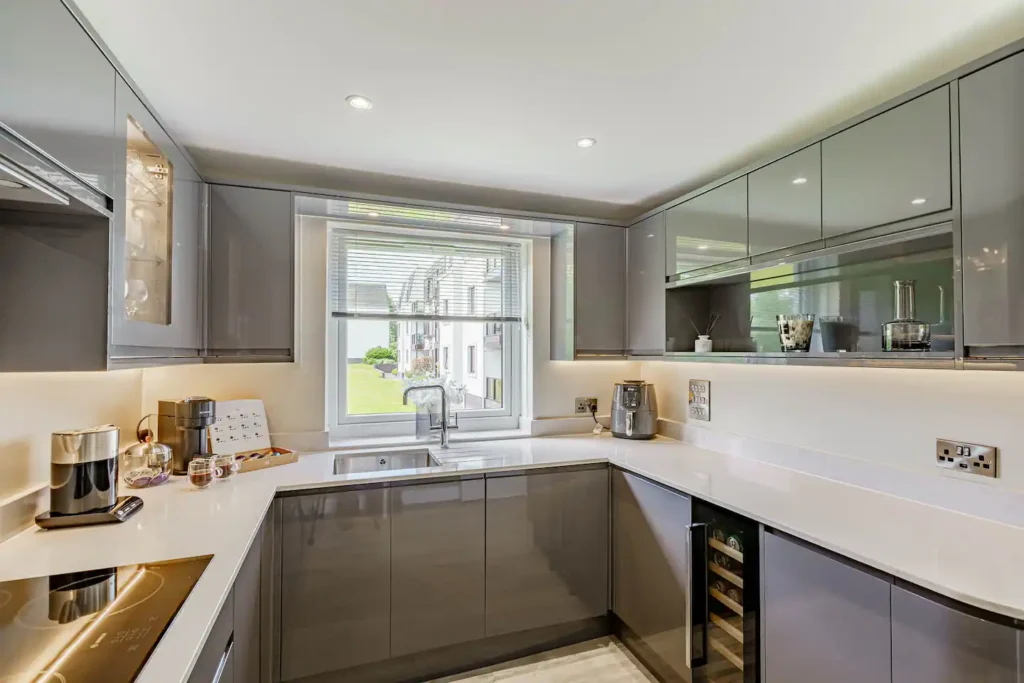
point(732, 597)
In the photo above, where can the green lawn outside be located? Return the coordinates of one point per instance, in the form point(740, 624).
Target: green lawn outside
point(369, 393)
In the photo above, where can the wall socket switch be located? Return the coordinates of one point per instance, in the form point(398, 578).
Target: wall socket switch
point(969, 458)
point(584, 406)
point(699, 401)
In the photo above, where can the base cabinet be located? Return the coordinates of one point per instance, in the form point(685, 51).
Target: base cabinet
point(547, 549)
point(650, 570)
point(216, 660)
point(937, 643)
point(824, 620)
point(335, 581)
point(437, 565)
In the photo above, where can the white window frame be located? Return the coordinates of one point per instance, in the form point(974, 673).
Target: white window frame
point(472, 360)
point(344, 426)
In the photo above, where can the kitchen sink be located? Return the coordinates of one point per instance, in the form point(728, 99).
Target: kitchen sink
point(383, 461)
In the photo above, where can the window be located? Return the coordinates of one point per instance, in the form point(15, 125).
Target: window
point(448, 307)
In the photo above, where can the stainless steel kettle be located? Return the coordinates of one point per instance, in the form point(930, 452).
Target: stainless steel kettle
point(634, 410)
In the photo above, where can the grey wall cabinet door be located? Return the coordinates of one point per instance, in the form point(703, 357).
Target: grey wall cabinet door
point(708, 229)
point(547, 549)
point(149, 229)
point(58, 89)
point(217, 654)
point(935, 643)
point(878, 171)
point(646, 287)
point(437, 565)
point(600, 268)
point(824, 620)
point(246, 652)
point(650, 568)
point(785, 202)
point(335, 581)
point(251, 292)
point(992, 199)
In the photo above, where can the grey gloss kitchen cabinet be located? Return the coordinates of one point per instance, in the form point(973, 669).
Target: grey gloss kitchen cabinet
point(246, 654)
point(588, 292)
point(708, 229)
point(251, 274)
point(335, 581)
point(547, 549)
point(879, 171)
point(216, 661)
point(823, 620)
point(936, 643)
point(785, 202)
point(650, 569)
point(645, 274)
point(437, 565)
point(58, 89)
point(134, 247)
point(992, 199)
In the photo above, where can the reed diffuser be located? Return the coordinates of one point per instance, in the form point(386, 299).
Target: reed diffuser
point(703, 344)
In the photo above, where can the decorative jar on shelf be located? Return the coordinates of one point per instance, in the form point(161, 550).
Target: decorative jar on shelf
point(703, 344)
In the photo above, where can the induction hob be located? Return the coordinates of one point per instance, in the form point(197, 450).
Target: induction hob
point(97, 626)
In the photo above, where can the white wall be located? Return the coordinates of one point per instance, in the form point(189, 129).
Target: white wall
point(294, 393)
point(887, 416)
point(33, 405)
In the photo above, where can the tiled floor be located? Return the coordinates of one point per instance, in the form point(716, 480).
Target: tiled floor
point(604, 660)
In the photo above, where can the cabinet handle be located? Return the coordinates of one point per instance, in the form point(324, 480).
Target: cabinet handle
point(222, 664)
point(697, 610)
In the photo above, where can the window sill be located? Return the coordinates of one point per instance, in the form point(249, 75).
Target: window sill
point(406, 441)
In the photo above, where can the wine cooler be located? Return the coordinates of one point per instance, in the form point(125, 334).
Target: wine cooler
point(726, 612)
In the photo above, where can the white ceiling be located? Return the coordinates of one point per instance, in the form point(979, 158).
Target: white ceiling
point(494, 94)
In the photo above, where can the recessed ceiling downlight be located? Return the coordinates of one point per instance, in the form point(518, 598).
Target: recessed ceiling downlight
point(359, 102)
point(918, 201)
point(586, 142)
point(799, 181)
point(11, 184)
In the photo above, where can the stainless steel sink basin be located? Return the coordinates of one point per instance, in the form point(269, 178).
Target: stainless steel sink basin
point(383, 461)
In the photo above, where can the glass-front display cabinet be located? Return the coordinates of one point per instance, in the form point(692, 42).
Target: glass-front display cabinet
point(154, 282)
point(882, 301)
point(149, 187)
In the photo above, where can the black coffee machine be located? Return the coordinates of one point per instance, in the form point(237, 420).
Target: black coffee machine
point(183, 426)
point(83, 479)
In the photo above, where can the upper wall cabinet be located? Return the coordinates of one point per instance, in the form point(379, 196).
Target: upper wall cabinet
point(889, 168)
point(708, 229)
point(646, 287)
point(785, 202)
point(992, 197)
point(154, 285)
point(58, 89)
point(588, 292)
point(251, 287)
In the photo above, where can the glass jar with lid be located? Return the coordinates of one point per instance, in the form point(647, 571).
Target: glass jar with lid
point(145, 464)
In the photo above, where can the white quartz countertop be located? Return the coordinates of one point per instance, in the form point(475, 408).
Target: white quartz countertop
point(965, 558)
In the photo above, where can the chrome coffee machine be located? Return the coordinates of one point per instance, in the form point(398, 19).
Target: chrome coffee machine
point(183, 426)
point(83, 479)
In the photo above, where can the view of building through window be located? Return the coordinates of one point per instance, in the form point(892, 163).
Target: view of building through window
point(383, 357)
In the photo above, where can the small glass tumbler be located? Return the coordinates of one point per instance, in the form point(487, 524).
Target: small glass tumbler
point(225, 466)
point(201, 472)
